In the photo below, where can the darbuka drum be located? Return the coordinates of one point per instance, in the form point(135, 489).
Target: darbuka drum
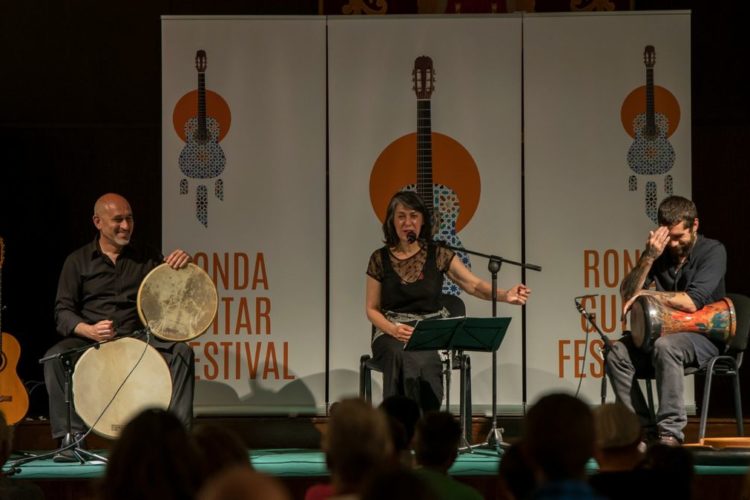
point(650, 319)
point(177, 304)
point(100, 372)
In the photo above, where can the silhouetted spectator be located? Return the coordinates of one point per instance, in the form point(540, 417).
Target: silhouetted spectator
point(436, 447)
point(618, 438)
point(357, 443)
point(559, 440)
point(403, 414)
point(620, 453)
point(240, 482)
point(155, 458)
point(397, 483)
point(516, 479)
point(220, 448)
point(674, 467)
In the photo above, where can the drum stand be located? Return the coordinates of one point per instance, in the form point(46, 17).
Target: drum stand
point(591, 318)
point(69, 442)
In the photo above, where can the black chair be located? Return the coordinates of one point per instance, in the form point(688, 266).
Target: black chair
point(367, 365)
point(723, 365)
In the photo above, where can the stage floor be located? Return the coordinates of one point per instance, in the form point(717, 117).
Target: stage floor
point(278, 462)
point(719, 473)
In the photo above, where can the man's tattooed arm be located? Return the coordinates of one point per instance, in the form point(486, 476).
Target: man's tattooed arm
point(635, 279)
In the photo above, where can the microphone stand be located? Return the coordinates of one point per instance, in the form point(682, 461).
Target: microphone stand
point(591, 318)
point(494, 436)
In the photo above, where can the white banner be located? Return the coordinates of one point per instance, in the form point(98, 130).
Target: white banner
point(245, 181)
point(593, 180)
point(244, 192)
point(476, 154)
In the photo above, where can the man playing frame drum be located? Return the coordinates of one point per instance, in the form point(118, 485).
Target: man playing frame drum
point(687, 270)
point(96, 301)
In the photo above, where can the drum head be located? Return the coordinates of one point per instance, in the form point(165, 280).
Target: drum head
point(177, 304)
point(100, 372)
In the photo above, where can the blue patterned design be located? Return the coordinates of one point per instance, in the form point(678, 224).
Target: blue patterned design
point(447, 206)
point(202, 158)
point(651, 154)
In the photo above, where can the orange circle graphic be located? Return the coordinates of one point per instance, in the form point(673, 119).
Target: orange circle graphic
point(452, 166)
point(187, 108)
point(664, 102)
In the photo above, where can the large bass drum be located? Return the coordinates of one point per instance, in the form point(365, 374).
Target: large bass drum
point(177, 304)
point(116, 380)
point(650, 319)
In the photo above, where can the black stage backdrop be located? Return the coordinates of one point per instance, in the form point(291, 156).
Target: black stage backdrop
point(80, 115)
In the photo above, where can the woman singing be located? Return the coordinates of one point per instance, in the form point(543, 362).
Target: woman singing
point(404, 282)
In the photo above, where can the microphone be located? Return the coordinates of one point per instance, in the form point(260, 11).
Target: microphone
point(411, 236)
point(581, 297)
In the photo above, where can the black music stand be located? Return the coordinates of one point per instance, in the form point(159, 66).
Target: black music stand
point(459, 335)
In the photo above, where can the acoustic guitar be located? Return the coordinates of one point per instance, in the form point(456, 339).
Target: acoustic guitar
point(14, 400)
point(441, 201)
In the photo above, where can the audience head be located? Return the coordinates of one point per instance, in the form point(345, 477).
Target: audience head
point(516, 479)
point(559, 436)
point(674, 465)
point(403, 414)
point(220, 448)
point(240, 482)
point(154, 458)
point(357, 442)
point(618, 437)
point(397, 484)
point(436, 442)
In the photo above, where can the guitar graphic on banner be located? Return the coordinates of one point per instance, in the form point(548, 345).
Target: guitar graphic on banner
point(651, 152)
point(14, 399)
point(441, 201)
point(202, 157)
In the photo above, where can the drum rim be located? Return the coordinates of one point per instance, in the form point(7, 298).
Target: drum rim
point(194, 267)
point(153, 353)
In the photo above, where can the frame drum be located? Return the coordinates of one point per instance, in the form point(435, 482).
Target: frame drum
point(100, 372)
point(177, 304)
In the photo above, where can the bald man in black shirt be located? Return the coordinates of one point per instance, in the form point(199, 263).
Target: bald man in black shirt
point(96, 301)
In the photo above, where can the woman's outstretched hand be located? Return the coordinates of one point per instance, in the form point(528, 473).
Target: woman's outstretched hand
point(518, 295)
